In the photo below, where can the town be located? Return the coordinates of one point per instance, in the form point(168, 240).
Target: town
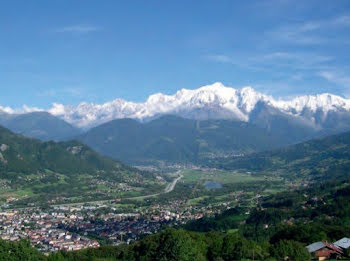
point(90, 225)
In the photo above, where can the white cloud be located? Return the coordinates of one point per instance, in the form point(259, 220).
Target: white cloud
point(296, 60)
point(80, 29)
point(336, 77)
point(219, 58)
point(73, 91)
point(297, 34)
point(289, 61)
point(310, 32)
point(289, 70)
point(342, 20)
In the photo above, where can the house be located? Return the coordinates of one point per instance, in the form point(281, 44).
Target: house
point(343, 243)
point(324, 250)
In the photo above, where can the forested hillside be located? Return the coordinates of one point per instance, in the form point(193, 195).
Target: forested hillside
point(327, 157)
point(33, 170)
point(175, 139)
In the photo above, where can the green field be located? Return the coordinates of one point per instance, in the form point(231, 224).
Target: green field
point(243, 187)
point(223, 177)
point(191, 187)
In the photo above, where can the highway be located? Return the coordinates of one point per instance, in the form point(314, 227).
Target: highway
point(170, 187)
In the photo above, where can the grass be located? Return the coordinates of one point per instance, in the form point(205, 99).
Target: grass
point(223, 177)
point(232, 182)
point(24, 192)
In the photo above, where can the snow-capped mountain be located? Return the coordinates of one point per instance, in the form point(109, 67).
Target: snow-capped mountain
point(260, 122)
point(211, 102)
point(208, 102)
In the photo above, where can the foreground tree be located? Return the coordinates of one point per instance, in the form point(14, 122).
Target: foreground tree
point(171, 245)
point(22, 250)
point(238, 248)
point(290, 250)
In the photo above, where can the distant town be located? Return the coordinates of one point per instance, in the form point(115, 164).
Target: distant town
point(90, 225)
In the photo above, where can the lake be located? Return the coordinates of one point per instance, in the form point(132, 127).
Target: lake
point(212, 185)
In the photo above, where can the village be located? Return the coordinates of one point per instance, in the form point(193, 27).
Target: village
point(73, 228)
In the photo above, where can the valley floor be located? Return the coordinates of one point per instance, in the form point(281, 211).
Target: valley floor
point(189, 195)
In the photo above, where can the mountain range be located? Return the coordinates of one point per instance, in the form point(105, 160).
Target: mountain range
point(175, 139)
point(215, 102)
point(215, 120)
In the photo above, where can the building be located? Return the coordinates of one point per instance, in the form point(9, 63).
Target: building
point(324, 250)
point(343, 243)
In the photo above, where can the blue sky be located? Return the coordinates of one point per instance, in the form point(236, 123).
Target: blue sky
point(95, 51)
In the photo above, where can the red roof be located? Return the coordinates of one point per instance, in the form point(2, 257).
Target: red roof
point(333, 247)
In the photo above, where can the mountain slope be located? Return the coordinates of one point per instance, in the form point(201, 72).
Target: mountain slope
point(40, 125)
point(47, 170)
point(24, 155)
point(291, 128)
point(327, 157)
point(297, 119)
point(175, 139)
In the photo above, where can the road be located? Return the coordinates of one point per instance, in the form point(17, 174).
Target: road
point(170, 187)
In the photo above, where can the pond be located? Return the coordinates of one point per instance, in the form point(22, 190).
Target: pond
point(212, 185)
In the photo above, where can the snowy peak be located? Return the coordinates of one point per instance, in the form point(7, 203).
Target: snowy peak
point(321, 102)
point(207, 102)
point(5, 110)
point(210, 101)
point(249, 98)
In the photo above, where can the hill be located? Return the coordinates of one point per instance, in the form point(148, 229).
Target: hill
point(179, 140)
point(40, 125)
point(34, 170)
point(326, 157)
